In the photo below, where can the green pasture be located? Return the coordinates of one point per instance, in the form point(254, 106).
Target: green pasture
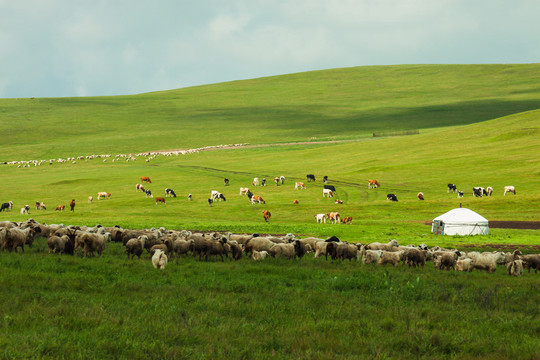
point(349, 103)
point(58, 306)
point(493, 153)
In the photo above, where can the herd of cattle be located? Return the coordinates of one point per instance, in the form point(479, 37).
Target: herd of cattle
point(161, 244)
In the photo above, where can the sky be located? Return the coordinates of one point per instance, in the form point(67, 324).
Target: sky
point(60, 48)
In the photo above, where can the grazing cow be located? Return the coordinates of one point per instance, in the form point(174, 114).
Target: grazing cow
point(420, 196)
point(460, 194)
point(72, 205)
point(140, 188)
point(25, 209)
point(330, 187)
point(266, 215)
point(334, 217)
point(347, 220)
point(299, 185)
point(249, 195)
point(263, 182)
point(146, 179)
point(159, 199)
point(451, 187)
point(509, 189)
point(478, 191)
point(37, 205)
point(310, 177)
point(215, 195)
point(103, 194)
point(321, 218)
point(340, 202)
point(391, 197)
point(149, 193)
point(169, 192)
point(282, 179)
point(489, 191)
point(90, 199)
point(257, 199)
point(276, 181)
point(327, 193)
point(60, 208)
point(226, 182)
point(40, 205)
point(295, 201)
point(243, 190)
point(7, 206)
point(189, 197)
point(372, 184)
point(256, 181)
point(325, 179)
point(210, 201)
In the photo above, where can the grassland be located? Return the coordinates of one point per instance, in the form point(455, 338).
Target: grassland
point(109, 307)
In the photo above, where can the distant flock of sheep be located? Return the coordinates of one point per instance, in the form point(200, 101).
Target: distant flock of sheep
point(149, 155)
point(161, 244)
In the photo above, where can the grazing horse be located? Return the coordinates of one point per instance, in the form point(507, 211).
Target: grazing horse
point(509, 189)
point(146, 179)
point(266, 215)
point(372, 184)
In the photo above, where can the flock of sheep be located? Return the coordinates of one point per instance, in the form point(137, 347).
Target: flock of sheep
point(161, 244)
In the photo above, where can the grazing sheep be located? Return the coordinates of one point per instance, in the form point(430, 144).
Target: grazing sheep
point(3, 234)
point(531, 261)
point(16, 237)
point(347, 251)
point(371, 256)
point(57, 244)
point(259, 244)
point(488, 261)
point(242, 239)
point(465, 265)
point(391, 257)
point(135, 246)
point(90, 243)
point(415, 257)
point(159, 259)
point(259, 255)
point(515, 268)
point(181, 247)
point(290, 251)
point(390, 246)
point(447, 260)
point(236, 250)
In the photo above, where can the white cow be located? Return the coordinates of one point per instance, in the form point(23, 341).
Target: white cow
point(321, 218)
point(256, 181)
point(244, 190)
point(327, 193)
point(299, 185)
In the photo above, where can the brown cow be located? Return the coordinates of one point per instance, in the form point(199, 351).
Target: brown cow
point(72, 205)
point(346, 220)
point(373, 184)
point(266, 215)
point(60, 208)
point(145, 179)
point(160, 200)
point(334, 217)
point(295, 201)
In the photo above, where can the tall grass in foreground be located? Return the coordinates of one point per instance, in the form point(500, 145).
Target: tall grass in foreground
point(110, 307)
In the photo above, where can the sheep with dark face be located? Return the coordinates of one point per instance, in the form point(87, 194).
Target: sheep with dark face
point(531, 261)
point(289, 251)
point(135, 246)
point(447, 260)
point(57, 244)
point(515, 268)
point(415, 257)
point(217, 248)
point(347, 251)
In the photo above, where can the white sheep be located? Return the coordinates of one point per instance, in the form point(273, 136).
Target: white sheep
point(465, 265)
point(515, 268)
point(259, 255)
point(488, 261)
point(159, 259)
point(389, 257)
point(371, 256)
point(389, 246)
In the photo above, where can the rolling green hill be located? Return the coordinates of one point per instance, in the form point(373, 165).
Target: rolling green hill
point(344, 103)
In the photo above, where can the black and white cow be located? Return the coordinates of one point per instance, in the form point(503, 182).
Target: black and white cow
point(478, 191)
point(210, 201)
point(330, 187)
point(391, 197)
point(325, 179)
point(170, 192)
point(460, 194)
point(263, 182)
point(452, 187)
point(310, 177)
point(7, 206)
point(215, 195)
point(226, 181)
point(149, 193)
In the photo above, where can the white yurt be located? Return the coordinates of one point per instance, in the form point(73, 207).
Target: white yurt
point(460, 221)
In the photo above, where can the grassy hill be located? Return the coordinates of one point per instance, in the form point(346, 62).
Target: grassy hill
point(338, 104)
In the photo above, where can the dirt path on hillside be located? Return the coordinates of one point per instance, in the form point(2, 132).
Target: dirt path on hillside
point(252, 146)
